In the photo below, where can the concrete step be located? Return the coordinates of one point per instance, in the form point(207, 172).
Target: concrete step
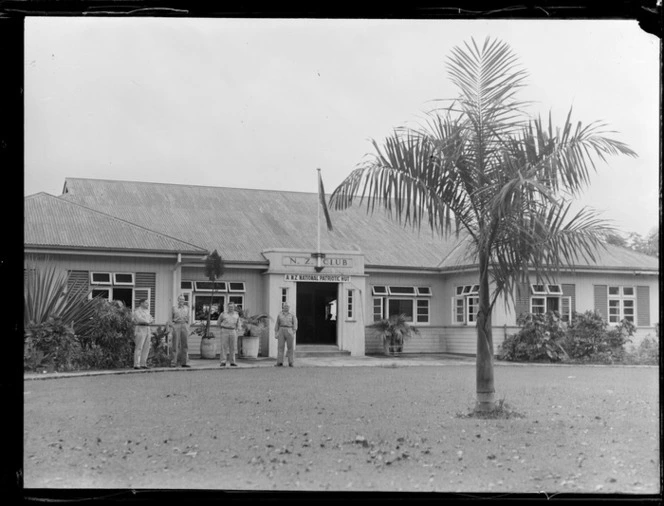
point(319, 350)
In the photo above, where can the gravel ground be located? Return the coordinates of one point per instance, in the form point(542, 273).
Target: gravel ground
point(584, 430)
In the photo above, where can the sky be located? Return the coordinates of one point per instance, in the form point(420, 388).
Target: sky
point(263, 103)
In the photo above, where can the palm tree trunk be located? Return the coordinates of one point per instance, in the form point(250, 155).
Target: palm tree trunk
point(484, 365)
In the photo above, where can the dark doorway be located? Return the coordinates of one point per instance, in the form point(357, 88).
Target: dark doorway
point(317, 313)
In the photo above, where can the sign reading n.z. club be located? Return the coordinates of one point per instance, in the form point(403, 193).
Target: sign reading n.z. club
point(301, 261)
point(329, 278)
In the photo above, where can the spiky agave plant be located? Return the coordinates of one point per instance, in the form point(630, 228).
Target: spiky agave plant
point(46, 294)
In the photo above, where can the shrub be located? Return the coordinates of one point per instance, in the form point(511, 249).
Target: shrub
point(107, 339)
point(159, 355)
point(538, 340)
point(50, 346)
point(647, 353)
point(588, 340)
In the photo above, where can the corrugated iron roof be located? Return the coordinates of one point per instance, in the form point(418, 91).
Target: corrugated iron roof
point(613, 257)
point(52, 221)
point(240, 223)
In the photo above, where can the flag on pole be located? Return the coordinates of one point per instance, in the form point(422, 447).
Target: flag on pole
point(321, 197)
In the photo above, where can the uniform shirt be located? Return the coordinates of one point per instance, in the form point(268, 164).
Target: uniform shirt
point(286, 320)
point(229, 320)
point(142, 316)
point(181, 314)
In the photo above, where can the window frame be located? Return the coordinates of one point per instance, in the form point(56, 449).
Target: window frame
point(462, 305)
point(236, 290)
point(417, 311)
point(234, 299)
point(102, 283)
point(620, 298)
point(395, 290)
point(350, 304)
point(382, 308)
point(379, 291)
point(400, 299)
point(107, 289)
point(203, 295)
point(424, 291)
point(124, 283)
point(221, 288)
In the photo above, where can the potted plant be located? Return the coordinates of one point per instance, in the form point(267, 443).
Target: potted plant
point(214, 269)
point(393, 332)
point(251, 329)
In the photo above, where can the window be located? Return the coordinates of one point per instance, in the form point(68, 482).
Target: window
point(472, 305)
point(622, 304)
point(378, 309)
point(104, 293)
point(202, 306)
point(238, 300)
point(538, 305)
point(538, 289)
point(186, 285)
point(117, 286)
point(400, 306)
point(123, 278)
point(465, 304)
point(209, 286)
point(100, 278)
point(284, 295)
point(459, 310)
point(349, 304)
point(395, 300)
point(424, 291)
point(235, 287)
point(379, 290)
point(555, 290)
point(422, 311)
point(401, 290)
point(547, 298)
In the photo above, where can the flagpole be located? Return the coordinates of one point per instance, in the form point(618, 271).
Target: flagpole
point(318, 226)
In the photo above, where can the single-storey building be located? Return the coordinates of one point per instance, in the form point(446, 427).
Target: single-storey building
point(128, 240)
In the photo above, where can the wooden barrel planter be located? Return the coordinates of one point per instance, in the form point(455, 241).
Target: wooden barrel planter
point(208, 347)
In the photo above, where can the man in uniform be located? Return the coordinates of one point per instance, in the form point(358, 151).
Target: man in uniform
point(285, 330)
point(229, 322)
point(142, 318)
point(180, 326)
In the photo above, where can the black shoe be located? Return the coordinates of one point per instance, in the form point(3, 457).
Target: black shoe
point(186, 365)
point(278, 365)
point(291, 365)
point(136, 367)
point(223, 364)
point(144, 367)
point(233, 364)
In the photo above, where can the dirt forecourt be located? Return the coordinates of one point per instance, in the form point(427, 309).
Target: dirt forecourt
point(585, 429)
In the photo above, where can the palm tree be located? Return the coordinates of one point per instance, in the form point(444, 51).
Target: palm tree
point(481, 166)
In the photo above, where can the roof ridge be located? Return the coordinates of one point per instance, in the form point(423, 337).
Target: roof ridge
point(115, 218)
point(189, 185)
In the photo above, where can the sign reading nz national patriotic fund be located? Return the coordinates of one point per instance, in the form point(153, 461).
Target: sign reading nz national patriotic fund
point(330, 278)
point(297, 261)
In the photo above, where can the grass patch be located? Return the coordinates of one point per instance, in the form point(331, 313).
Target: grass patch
point(502, 411)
